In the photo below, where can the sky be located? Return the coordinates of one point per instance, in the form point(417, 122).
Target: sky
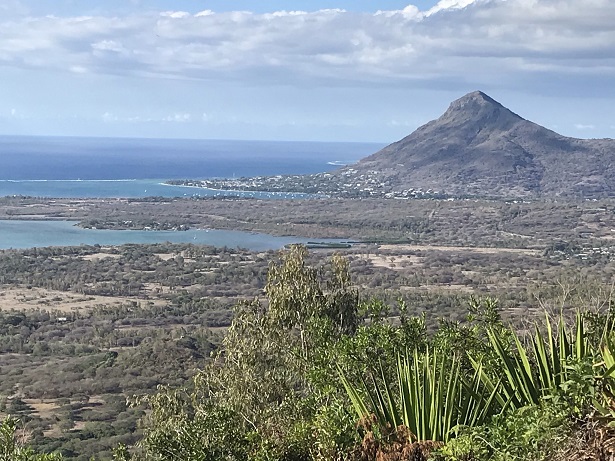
point(317, 70)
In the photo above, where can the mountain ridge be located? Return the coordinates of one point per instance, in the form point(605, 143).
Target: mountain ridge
point(480, 147)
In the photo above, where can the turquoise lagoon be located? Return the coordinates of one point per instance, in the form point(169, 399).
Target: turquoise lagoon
point(29, 234)
point(127, 188)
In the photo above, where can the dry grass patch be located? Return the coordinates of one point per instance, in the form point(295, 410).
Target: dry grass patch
point(155, 289)
point(22, 298)
point(43, 408)
point(482, 250)
point(393, 260)
point(98, 256)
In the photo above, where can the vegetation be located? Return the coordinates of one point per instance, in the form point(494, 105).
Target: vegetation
point(83, 329)
point(559, 225)
point(12, 450)
point(310, 371)
point(290, 371)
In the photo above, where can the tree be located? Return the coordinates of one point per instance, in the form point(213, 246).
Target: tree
point(12, 450)
point(257, 400)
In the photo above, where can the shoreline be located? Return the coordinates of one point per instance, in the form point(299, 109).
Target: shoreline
point(236, 191)
point(23, 235)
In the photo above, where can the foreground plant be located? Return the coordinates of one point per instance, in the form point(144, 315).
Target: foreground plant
point(605, 399)
point(11, 450)
point(257, 399)
point(530, 433)
point(434, 398)
point(531, 373)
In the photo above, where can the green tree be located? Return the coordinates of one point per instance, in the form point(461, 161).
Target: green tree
point(12, 450)
point(257, 400)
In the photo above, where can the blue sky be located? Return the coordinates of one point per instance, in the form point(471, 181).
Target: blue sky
point(303, 70)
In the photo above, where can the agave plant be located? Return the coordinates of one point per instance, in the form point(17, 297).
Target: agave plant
point(434, 396)
point(432, 399)
point(531, 372)
point(605, 401)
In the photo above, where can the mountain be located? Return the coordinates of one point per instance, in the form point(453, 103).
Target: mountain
point(479, 147)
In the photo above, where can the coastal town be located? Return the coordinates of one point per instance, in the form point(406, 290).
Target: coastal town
point(346, 184)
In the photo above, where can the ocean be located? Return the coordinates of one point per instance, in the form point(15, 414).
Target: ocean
point(120, 167)
point(123, 167)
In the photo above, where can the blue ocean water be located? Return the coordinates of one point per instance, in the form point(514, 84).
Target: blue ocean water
point(64, 167)
point(114, 188)
point(114, 167)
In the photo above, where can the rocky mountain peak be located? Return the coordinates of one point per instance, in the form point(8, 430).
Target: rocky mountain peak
point(477, 106)
point(475, 97)
point(479, 147)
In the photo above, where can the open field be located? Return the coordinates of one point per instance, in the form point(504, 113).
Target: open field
point(16, 298)
point(455, 249)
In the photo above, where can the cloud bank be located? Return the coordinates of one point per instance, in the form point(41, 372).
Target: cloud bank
point(470, 41)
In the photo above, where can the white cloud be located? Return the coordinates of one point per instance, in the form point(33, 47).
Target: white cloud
point(12, 115)
point(177, 117)
point(475, 42)
point(108, 45)
point(581, 126)
point(175, 14)
point(78, 69)
point(443, 5)
point(279, 14)
point(409, 12)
